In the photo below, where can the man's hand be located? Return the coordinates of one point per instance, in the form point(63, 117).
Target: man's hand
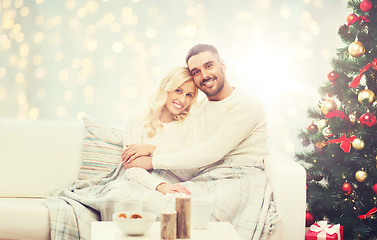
point(141, 162)
point(172, 188)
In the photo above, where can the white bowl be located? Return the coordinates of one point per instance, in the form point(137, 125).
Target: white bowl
point(137, 226)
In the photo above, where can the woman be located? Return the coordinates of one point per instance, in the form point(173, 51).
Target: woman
point(162, 127)
point(73, 209)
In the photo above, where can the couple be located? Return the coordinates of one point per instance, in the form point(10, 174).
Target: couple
point(216, 152)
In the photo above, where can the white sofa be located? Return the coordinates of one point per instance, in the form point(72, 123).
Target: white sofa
point(39, 156)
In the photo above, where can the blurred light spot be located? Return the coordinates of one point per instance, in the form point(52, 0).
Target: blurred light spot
point(24, 50)
point(91, 29)
point(3, 93)
point(91, 6)
point(18, 3)
point(68, 96)
point(289, 147)
point(325, 53)
point(24, 11)
point(151, 33)
point(189, 31)
point(21, 98)
point(108, 63)
point(76, 62)
point(73, 23)
point(285, 12)
point(108, 18)
point(3, 72)
point(39, 1)
point(70, 4)
point(90, 44)
point(131, 92)
point(20, 78)
point(7, 23)
point(264, 3)
point(126, 11)
point(81, 12)
point(6, 3)
point(115, 27)
point(63, 75)
point(89, 91)
point(37, 60)
point(20, 37)
point(56, 20)
point(5, 42)
point(87, 63)
point(16, 28)
point(118, 47)
point(135, 1)
point(61, 111)
point(129, 39)
point(318, 3)
point(34, 113)
point(39, 20)
point(314, 28)
point(41, 93)
point(21, 63)
point(80, 115)
point(58, 56)
point(40, 72)
point(244, 16)
point(38, 37)
point(191, 11)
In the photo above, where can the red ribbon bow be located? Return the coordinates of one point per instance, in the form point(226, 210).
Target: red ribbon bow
point(369, 213)
point(358, 19)
point(355, 82)
point(345, 142)
point(335, 113)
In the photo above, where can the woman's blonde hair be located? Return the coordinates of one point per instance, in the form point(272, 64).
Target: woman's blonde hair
point(173, 80)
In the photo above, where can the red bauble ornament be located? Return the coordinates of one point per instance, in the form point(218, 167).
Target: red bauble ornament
point(312, 128)
point(346, 188)
point(366, 5)
point(367, 119)
point(332, 76)
point(375, 188)
point(351, 18)
point(309, 219)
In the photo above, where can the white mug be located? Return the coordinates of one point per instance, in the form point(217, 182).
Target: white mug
point(200, 213)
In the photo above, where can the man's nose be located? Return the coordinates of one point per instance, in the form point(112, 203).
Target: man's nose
point(205, 74)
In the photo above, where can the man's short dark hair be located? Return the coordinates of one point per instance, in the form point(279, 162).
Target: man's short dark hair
point(202, 48)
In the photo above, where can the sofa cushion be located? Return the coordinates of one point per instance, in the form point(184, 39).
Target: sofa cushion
point(23, 218)
point(38, 156)
point(102, 148)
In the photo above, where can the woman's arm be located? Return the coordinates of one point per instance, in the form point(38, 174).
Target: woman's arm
point(133, 151)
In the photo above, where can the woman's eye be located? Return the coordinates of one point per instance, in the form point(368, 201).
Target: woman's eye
point(178, 90)
point(189, 95)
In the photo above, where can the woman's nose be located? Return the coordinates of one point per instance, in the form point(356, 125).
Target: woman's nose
point(182, 98)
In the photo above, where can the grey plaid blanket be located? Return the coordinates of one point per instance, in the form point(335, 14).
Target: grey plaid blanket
point(238, 194)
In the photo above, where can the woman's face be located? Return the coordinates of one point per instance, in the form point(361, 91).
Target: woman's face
point(180, 98)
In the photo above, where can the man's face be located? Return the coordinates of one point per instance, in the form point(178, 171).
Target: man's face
point(208, 73)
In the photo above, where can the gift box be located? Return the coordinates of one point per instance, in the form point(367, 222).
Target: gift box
point(323, 231)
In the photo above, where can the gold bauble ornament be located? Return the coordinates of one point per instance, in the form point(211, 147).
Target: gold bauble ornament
point(326, 132)
point(352, 117)
point(361, 175)
point(366, 94)
point(321, 124)
point(356, 49)
point(327, 106)
point(358, 144)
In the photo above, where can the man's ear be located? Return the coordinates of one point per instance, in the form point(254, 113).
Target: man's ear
point(223, 65)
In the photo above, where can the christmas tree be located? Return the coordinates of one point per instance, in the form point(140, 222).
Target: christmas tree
point(342, 138)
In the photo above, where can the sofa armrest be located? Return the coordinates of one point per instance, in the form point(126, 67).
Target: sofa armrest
point(288, 181)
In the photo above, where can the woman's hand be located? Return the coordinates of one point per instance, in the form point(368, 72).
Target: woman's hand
point(172, 188)
point(133, 151)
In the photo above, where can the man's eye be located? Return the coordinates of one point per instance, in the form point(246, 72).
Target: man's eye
point(209, 66)
point(195, 73)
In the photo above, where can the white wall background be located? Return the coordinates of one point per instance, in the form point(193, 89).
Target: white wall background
point(66, 58)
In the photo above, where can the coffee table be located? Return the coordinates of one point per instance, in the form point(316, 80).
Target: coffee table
point(107, 230)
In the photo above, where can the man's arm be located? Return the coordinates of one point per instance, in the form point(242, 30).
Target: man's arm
point(241, 120)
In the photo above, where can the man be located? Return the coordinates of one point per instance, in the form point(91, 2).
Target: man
point(232, 123)
point(231, 156)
